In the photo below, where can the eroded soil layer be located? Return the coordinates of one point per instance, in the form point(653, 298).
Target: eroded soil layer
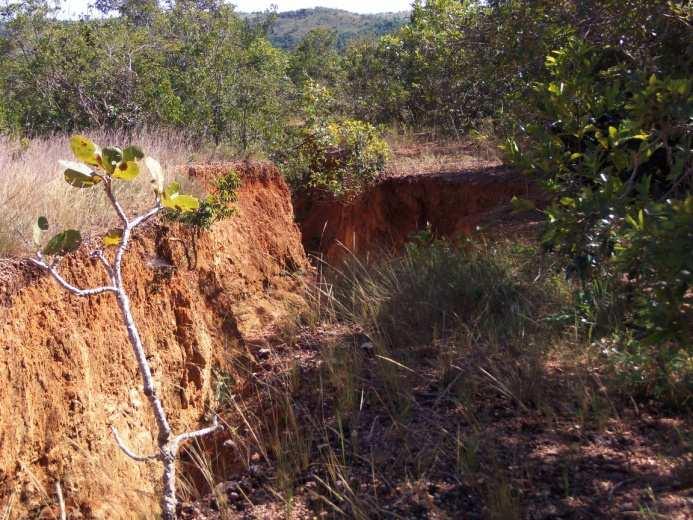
point(67, 370)
point(449, 204)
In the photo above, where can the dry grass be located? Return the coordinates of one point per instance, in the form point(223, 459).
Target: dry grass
point(31, 183)
point(429, 384)
point(414, 154)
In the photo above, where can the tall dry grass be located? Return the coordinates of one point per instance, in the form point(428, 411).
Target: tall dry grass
point(31, 183)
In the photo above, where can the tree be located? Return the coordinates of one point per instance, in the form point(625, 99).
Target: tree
point(105, 167)
point(316, 58)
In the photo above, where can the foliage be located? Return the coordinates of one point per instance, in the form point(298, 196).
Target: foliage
point(316, 58)
point(203, 70)
point(456, 63)
point(611, 138)
point(213, 208)
point(338, 155)
point(96, 165)
point(289, 28)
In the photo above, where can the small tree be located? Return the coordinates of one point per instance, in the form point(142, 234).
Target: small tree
point(105, 167)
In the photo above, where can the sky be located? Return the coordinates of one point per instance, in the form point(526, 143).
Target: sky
point(73, 8)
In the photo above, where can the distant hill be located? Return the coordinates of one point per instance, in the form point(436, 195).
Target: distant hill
point(291, 26)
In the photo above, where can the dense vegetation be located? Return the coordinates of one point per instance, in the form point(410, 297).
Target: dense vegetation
point(594, 99)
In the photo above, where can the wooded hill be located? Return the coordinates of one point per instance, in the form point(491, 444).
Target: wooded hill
point(290, 27)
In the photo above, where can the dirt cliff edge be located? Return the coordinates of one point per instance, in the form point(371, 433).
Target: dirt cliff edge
point(67, 370)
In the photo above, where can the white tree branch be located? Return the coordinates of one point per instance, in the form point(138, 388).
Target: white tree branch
point(129, 452)
point(114, 202)
point(197, 433)
point(146, 216)
point(67, 285)
point(104, 261)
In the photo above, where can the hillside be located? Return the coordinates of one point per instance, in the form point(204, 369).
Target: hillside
point(291, 26)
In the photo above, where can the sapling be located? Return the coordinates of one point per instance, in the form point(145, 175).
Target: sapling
point(105, 167)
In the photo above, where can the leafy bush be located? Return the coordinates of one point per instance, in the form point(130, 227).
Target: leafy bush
point(215, 207)
point(612, 140)
point(338, 155)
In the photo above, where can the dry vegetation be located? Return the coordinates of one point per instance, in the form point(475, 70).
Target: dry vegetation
point(32, 185)
point(415, 154)
point(394, 396)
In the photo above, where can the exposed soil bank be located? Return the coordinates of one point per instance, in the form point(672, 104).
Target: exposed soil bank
point(384, 217)
point(67, 369)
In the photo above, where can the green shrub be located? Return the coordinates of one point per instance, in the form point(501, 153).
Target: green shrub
point(216, 206)
point(612, 141)
point(338, 155)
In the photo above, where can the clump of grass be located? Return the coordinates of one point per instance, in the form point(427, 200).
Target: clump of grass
point(437, 290)
point(31, 183)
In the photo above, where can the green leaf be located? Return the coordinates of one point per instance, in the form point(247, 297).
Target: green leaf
point(113, 237)
point(172, 189)
point(173, 199)
point(63, 243)
point(132, 153)
point(111, 156)
point(79, 175)
point(613, 132)
point(126, 171)
point(42, 223)
point(156, 173)
point(183, 203)
point(85, 150)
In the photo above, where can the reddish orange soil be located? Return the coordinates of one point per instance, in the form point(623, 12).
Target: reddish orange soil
point(450, 204)
point(68, 372)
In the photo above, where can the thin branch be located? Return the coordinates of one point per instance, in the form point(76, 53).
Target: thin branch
point(129, 452)
point(104, 261)
point(197, 433)
point(61, 500)
point(146, 216)
point(67, 285)
point(114, 202)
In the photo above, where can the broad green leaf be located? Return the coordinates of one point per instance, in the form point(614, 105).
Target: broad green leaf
point(613, 132)
point(63, 243)
point(126, 171)
point(113, 237)
point(110, 157)
point(79, 175)
point(184, 203)
point(156, 173)
point(132, 153)
point(602, 140)
point(85, 150)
